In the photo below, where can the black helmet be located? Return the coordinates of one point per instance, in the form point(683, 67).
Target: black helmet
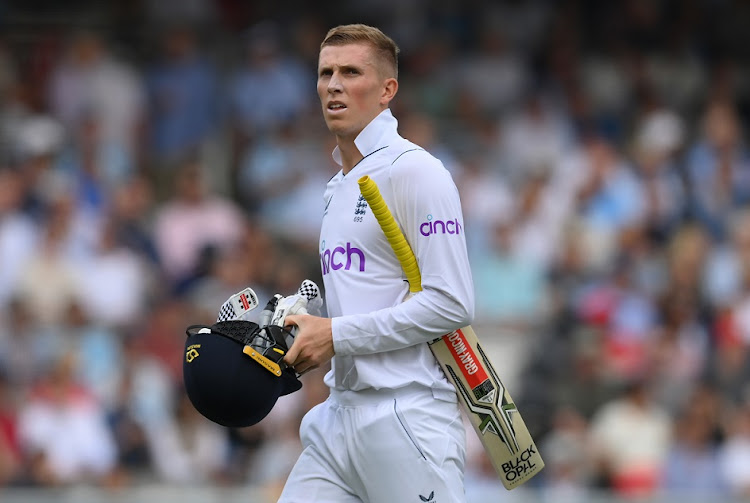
point(234, 373)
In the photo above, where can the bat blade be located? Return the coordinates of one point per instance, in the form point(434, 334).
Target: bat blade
point(490, 408)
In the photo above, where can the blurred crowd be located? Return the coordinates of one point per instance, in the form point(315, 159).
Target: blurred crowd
point(158, 156)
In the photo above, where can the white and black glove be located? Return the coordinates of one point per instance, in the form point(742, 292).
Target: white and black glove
point(238, 306)
point(307, 300)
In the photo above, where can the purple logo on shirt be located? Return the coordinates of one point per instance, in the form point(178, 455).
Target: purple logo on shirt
point(342, 258)
point(431, 226)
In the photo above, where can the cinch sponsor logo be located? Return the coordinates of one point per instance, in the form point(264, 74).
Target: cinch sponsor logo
point(431, 226)
point(342, 258)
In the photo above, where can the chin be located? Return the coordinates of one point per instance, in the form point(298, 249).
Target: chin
point(339, 129)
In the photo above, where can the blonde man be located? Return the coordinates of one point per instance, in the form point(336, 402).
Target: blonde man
point(390, 430)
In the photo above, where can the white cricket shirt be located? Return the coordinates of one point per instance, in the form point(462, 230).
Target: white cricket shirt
point(380, 338)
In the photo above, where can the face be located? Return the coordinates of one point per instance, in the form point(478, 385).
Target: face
point(351, 89)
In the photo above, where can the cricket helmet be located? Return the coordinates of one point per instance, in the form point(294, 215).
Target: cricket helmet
point(234, 373)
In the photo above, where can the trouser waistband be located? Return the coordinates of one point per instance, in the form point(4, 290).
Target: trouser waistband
point(372, 396)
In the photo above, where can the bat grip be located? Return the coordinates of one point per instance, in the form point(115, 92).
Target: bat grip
point(400, 246)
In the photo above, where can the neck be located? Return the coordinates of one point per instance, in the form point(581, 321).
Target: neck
point(350, 155)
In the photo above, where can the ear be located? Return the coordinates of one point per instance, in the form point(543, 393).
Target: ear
point(390, 88)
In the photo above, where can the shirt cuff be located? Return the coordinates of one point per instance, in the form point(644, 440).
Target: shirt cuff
point(339, 344)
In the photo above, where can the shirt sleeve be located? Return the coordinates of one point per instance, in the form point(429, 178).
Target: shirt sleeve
point(426, 204)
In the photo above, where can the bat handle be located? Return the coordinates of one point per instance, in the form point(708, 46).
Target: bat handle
point(398, 242)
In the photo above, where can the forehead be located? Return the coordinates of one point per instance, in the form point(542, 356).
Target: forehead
point(346, 55)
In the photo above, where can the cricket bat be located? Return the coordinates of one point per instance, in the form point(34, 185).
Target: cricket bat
point(490, 409)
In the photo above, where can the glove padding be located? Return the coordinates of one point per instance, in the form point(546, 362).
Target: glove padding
point(238, 306)
point(306, 301)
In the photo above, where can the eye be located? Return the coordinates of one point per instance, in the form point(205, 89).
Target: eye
point(325, 72)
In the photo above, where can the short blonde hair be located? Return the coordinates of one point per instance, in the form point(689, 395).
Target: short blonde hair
point(385, 48)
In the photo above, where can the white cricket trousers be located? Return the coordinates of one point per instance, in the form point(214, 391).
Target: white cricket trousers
point(385, 446)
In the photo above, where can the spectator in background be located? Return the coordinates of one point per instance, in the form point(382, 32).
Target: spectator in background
point(96, 165)
point(231, 269)
point(692, 466)
point(115, 284)
point(734, 454)
point(19, 234)
point(686, 255)
point(183, 99)
point(430, 85)
point(128, 427)
point(131, 210)
point(99, 354)
point(495, 75)
point(267, 70)
point(160, 337)
point(626, 317)
point(719, 168)
point(146, 396)
point(90, 83)
point(80, 224)
point(259, 242)
point(726, 289)
point(566, 456)
point(658, 144)
point(722, 281)
point(583, 385)
point(191, 220)
point(35, 146)
point(609, 77)
point(486, 197)
point(543, 207)
point(679, 350)
point(48, 279)
point(676, 73)
point(729, 366)
point(630, 438)
point(538, 134)
point(188, 449)
point(277, 178)
point(510, 285)
point(610, 199)
point(63, 431)
point(26, 349)
point(261, 126)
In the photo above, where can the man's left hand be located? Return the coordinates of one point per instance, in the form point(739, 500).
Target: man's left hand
point(313, 344)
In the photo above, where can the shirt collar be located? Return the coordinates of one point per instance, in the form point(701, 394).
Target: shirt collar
point(373, 136)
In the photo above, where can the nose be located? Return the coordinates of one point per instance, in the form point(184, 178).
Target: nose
point(334, 84)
